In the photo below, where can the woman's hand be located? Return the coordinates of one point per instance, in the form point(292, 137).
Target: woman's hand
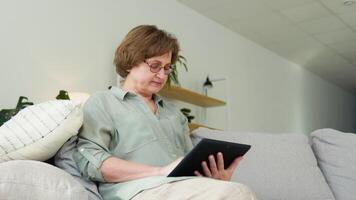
point(165, 170)
point(216, 169)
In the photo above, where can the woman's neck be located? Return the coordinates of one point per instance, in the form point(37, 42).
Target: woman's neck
point(130, 87)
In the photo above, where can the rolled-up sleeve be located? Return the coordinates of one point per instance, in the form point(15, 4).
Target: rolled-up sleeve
point(94, 140)
point(188, 145)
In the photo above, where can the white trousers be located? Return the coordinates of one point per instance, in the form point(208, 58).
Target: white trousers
point(197, 189)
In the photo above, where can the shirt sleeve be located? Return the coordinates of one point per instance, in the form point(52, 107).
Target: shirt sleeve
point(94, 140)
point(188, 145)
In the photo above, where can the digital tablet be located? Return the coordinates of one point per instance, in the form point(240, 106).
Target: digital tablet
point(192, 161)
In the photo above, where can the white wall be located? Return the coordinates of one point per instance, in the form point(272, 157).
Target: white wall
point(47, 45)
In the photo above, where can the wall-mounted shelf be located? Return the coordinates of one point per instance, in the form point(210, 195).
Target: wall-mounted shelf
point(181, 94)
point(193, 126)
point(188, 96)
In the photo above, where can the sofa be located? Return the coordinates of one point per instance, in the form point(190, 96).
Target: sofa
point(320, 165)
point(317, 166)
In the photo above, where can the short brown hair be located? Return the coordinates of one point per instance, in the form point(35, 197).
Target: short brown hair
point(141, 43)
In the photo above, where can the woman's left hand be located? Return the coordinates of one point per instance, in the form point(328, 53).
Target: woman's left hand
point(216, 169)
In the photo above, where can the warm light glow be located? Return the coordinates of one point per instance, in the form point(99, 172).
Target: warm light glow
point(78, 97)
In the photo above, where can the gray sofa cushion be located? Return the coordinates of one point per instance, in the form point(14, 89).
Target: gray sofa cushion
point(64, 160)
point(278, 166)
point(336, 154)
point(30, 180)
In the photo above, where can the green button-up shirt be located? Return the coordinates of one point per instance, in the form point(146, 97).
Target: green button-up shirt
point(119, 123)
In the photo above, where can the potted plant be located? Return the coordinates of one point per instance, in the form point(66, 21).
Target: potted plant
point(6, 114)
point(173, 76)
point(186, 113)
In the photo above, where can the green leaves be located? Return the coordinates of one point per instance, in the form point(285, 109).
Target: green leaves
point(173, 76)
point(62, 95)
point(6, 114)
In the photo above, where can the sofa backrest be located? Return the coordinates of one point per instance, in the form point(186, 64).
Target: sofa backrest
point(278, 166)
point(336, 155)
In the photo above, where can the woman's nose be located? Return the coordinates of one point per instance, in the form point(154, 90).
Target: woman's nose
point(161, 73)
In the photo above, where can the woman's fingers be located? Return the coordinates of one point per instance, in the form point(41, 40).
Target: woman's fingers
point(206, 169)
point(197, 173)
point(216, 168)
point(213, 168)
point(220, 161)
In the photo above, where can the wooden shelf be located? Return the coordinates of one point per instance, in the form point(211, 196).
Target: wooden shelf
point(193, 126)
point(181, 94)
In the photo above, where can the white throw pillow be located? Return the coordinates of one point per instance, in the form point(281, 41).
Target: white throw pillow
point(37, 132)
point(336, 154)
point(34, 180)
point(278, 166)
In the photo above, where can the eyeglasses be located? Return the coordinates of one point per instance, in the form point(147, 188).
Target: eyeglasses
point(156, 67)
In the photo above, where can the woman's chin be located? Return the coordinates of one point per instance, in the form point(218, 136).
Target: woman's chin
point(156, 87)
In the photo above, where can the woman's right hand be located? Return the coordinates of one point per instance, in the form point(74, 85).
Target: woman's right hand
point(165, 170)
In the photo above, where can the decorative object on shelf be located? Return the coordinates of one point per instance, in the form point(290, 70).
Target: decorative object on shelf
point(6, 114)
point(63, 95)
point(173, 76)
point(186, 113)
point(208, 84)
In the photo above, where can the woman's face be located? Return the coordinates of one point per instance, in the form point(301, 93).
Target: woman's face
point(145, 82)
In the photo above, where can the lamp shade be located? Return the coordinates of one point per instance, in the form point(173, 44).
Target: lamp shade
point(207, 83)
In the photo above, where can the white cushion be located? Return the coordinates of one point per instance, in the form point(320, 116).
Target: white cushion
point(278, 166)
point(34, 180)
point(37, 132)
point(336, 154)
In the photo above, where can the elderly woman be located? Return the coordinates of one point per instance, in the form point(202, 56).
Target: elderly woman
point(132, 139)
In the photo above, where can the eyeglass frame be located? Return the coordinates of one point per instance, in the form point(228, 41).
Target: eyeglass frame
point(153, 70)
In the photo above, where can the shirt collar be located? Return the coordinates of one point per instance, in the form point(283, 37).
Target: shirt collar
point(118, 92)
point(157, 99)
point(121, 94)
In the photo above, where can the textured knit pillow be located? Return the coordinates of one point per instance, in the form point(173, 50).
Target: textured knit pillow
point(34, 180)
point(278, 166)
point(38, 131)
point(336, 154)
